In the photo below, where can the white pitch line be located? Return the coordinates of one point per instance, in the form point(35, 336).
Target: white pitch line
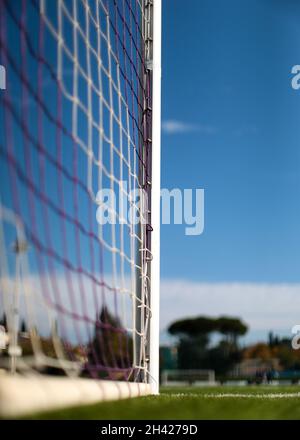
point(258, 396)
point(240, 395)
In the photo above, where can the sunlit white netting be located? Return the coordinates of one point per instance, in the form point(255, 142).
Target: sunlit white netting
point(76, 120)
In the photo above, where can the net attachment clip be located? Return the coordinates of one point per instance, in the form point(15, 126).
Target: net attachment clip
point(149, 65)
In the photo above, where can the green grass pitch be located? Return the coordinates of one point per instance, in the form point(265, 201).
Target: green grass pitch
point(256, 402)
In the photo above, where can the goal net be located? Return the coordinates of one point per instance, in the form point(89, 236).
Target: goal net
point(77, 197)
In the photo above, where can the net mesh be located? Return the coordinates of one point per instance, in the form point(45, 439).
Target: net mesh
point(76, 119)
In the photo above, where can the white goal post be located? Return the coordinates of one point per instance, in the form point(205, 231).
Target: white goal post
point(79, 202)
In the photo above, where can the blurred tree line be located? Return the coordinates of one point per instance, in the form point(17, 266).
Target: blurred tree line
point(196, 349)
point(194, 342)
point(276, 347)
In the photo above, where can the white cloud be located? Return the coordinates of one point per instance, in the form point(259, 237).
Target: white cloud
point(261, 306)
point(171, 126)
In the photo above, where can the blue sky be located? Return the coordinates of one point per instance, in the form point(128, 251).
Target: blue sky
point(226, 84)
point(230, 122)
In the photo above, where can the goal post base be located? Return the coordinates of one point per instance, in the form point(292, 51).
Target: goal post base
point(21, 396)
